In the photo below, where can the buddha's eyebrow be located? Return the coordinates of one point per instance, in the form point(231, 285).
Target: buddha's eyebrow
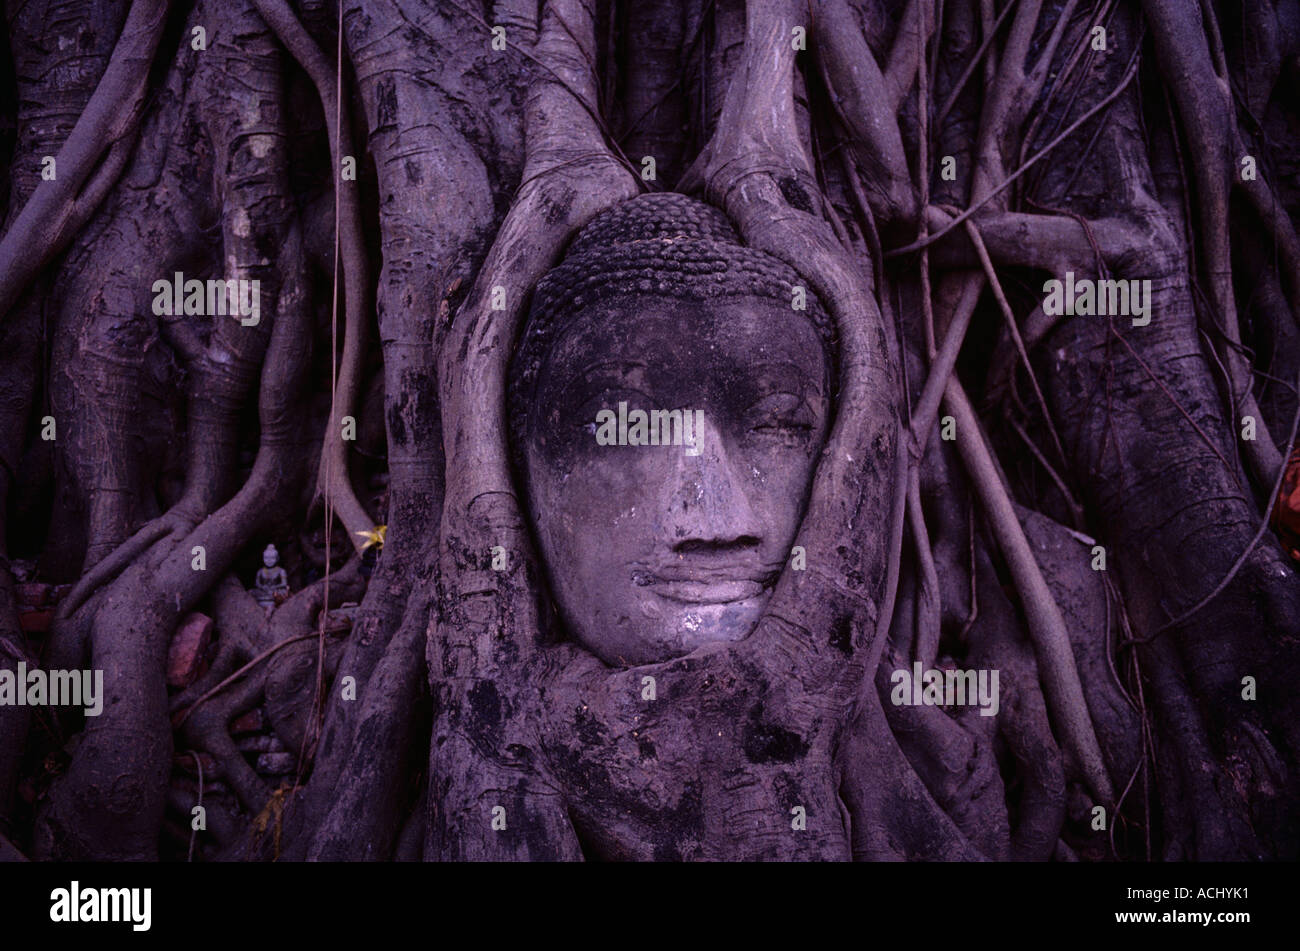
point(596, 370)
point(790, 376)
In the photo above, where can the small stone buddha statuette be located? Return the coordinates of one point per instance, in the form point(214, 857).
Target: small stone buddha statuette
point(272, 584)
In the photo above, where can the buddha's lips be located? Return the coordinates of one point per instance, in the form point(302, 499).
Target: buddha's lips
point(700, 585)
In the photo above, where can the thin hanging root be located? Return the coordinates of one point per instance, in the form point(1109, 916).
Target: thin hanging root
point(334, 482)
point(53, 213)
point(1076, 510)
point(928, 608)
point(926, 410)
point(894, 553)
point(1057, 670)
point(924, 415)
point(1010, 318)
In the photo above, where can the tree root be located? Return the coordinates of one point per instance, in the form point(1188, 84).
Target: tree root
point(58, 207)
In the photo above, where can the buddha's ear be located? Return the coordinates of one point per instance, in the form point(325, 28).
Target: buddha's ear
point(485, 625)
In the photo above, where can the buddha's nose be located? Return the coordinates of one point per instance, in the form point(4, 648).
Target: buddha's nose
point(709, 508)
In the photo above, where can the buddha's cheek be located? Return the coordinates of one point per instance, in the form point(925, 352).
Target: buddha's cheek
point(596, 522)
point(777, 489)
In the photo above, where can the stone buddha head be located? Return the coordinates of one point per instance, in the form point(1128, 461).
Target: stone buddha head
point(670, 396)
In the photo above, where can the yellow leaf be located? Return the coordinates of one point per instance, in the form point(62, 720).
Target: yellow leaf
point(374, 536)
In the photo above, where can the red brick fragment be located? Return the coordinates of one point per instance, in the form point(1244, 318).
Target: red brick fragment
point(36, 622)
point(188, 647)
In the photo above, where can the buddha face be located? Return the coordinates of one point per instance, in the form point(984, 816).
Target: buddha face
point(655, 550)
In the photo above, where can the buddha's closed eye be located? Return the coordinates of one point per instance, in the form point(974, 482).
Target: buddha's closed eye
point(783, 416)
